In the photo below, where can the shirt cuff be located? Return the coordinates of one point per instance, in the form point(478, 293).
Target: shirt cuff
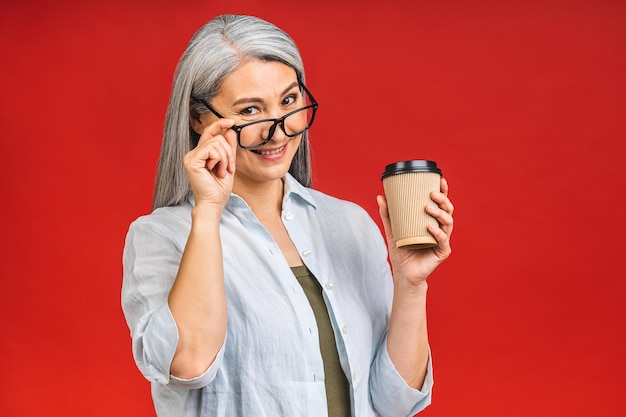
point(155, 343)
point(204, 379)
point(160, 338)
point(391, 395)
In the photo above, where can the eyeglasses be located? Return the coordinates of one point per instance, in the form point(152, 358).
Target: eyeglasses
point(293, 123)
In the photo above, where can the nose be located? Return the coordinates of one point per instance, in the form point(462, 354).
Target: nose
point(273, 132)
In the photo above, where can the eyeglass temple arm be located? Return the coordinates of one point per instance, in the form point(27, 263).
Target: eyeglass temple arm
point(208, 106)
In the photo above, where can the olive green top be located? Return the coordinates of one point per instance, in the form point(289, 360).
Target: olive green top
point(337, 387)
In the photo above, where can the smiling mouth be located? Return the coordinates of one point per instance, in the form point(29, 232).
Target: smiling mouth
point(269, 152)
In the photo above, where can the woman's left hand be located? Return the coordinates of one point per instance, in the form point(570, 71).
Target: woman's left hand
point(412, 267)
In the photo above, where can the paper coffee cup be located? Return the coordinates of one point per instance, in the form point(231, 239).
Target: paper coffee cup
point(408, 186)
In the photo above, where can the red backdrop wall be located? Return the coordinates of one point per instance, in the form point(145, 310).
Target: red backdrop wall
point(521, 103)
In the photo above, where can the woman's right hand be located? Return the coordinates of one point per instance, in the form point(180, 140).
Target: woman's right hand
point(210, 166)
point(197, 299)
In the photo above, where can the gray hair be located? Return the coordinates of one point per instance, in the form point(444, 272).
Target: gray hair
point(216, 50)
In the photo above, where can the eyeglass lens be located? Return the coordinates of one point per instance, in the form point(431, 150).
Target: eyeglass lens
point(257, 133)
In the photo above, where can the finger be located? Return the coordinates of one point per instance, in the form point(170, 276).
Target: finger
point(443, 240)
point(444, 186)
point(231, 139)
point(203, 155)
point(444, 218)
point(221, 128)
point(443, 201)
point(384, 216)
point(218, 156)
point(443, 230)
point(218, 127)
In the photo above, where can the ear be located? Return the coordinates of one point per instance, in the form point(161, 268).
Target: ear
point(195, 120)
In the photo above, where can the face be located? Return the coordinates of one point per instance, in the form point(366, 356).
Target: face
point(259, 90)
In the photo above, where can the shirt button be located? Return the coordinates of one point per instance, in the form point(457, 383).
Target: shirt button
point(288, 216)
point(344, 330)
point(306, 253)
point(329, 285)
point(354, 375)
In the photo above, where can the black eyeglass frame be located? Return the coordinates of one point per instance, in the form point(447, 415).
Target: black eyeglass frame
point(280, 121)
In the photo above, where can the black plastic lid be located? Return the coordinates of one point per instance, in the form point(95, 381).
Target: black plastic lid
point(416, 165)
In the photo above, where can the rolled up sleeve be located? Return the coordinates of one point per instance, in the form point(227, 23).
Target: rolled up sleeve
point(391, 395)
point(204, 379)
point(151, 259)
point(154, 342)
point(150, 266)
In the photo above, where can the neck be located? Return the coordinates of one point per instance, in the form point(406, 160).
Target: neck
point(265, 199)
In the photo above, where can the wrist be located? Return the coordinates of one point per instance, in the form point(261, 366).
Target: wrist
point(409, 302)
point(406, 286)
point(206, 214)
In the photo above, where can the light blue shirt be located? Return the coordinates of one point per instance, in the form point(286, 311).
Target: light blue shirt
point(270, 363)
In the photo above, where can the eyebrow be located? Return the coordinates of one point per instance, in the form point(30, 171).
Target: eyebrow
point(260, 100)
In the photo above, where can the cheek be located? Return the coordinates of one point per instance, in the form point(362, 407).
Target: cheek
point(296, 143)
point(241, 154)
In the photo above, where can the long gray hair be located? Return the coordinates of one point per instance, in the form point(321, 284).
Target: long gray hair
point(215, 51)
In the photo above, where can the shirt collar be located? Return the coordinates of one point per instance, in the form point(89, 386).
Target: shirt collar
point(292, 187)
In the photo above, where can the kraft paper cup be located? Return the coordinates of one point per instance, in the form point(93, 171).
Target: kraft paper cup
point(408, 185)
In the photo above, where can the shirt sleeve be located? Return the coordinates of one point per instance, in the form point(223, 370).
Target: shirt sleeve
point(391, 395)
point(151, 263)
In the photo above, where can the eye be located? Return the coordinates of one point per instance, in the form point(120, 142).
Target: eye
point(248, 111)
point(290, 99)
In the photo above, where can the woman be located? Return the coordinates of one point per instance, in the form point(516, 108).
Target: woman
point(248, 293)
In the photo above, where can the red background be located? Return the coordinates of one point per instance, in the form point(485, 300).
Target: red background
point(521, 103)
